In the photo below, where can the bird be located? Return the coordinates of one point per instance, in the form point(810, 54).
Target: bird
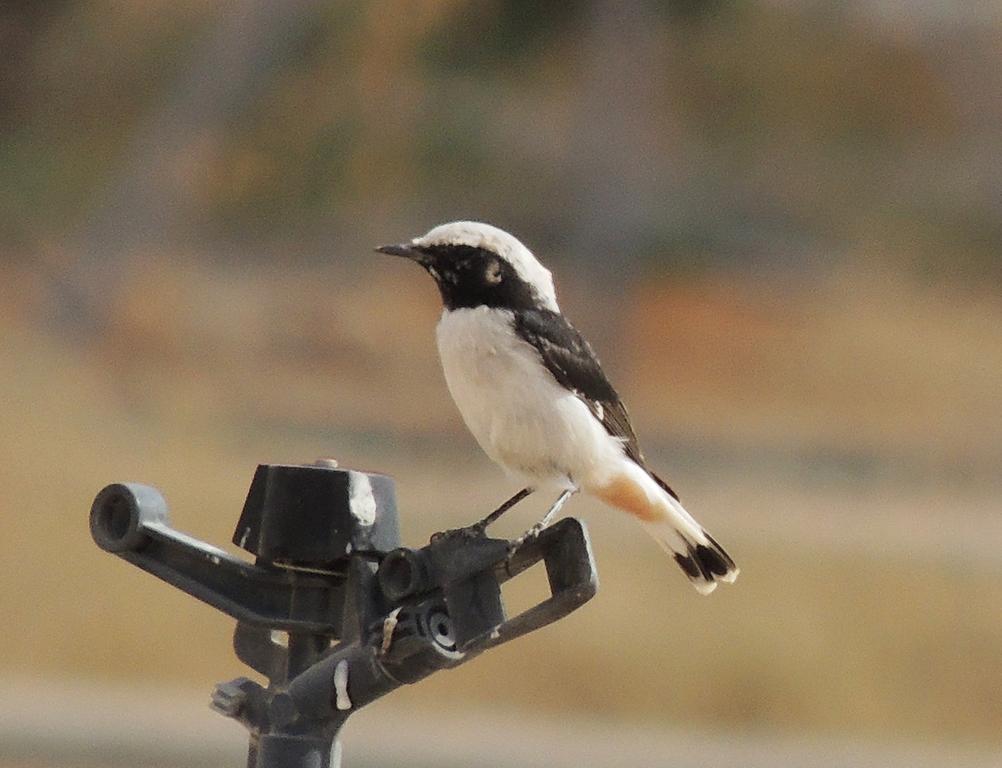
point(532, 392)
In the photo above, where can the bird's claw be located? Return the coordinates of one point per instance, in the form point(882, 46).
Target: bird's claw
point(475, 531)
point(529, 535)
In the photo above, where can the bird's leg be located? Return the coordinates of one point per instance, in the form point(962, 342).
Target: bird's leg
point(481, 526)
point(538, 527)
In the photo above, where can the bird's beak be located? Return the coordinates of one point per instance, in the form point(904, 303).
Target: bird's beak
point(406, 250)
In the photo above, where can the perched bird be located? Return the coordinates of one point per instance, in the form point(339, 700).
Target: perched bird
point(533, 394)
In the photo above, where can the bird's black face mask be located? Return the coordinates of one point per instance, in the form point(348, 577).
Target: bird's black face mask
point(469, 277)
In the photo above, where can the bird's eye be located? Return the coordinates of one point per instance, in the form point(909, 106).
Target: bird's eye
point(493, 272)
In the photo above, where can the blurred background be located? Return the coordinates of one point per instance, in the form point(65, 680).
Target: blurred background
point(780, 224)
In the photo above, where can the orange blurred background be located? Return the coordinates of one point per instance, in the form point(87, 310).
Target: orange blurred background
point(778, 223)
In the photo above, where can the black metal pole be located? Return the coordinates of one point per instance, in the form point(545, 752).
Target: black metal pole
point(362, 615)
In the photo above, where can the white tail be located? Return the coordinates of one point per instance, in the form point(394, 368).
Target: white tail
point(704, 564)
point(648, 498)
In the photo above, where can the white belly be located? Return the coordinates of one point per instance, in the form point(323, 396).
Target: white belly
point(522, 418)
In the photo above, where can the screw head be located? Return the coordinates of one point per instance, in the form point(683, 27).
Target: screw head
point(229, 698)
point(282, 709)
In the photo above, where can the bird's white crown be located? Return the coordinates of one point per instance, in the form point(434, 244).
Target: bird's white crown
point(476, 234)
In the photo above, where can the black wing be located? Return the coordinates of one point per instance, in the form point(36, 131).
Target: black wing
point(573, 364)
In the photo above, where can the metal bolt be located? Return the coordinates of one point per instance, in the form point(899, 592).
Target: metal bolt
point(282, 709)
point(229, 698)
point(327, 463)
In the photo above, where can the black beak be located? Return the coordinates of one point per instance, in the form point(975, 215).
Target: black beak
point(406, 250)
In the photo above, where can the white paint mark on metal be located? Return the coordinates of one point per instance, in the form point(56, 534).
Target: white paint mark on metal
point(341, 700)
point(360, 499)
point(389, 625)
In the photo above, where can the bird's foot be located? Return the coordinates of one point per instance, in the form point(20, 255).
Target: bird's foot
point(530, 535)
point(479, 529)
point(476, 531)
point(533, 533)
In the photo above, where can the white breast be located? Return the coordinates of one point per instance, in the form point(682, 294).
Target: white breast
point(522, 418)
